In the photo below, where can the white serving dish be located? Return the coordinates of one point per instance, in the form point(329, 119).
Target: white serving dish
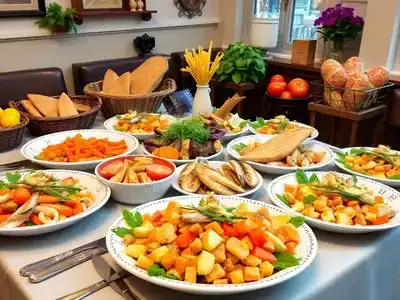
point(35, 146)
point(314, 134)
point(100, 191)
point(230, 136)
point(137, 193)
point(389, 182)
point(215, 165)
point(279, 170)
point(179, 162)
point(109, 124)
point(306, 250)
point(392, 197)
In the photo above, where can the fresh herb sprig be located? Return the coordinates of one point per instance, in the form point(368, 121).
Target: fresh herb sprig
point(132, 219)
point(156, 270)
point(285, 260)
point(239, 147)
point(192, 129)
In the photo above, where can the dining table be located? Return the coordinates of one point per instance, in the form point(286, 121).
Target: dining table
point(346, 266)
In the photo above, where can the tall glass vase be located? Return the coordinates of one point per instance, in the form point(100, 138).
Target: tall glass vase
point(334, 50)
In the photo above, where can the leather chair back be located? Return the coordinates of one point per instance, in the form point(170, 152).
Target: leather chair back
point(14, 86)
point(88, 72)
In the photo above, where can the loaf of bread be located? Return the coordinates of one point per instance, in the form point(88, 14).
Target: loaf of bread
point(47, 106)
point(108, 81)
point(30, 108)
point(121, 85)
point(66, 107)
point(148, 75)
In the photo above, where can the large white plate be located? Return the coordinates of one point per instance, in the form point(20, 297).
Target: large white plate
point(314, 134)
point(110, 123)
point(179, 162)
point(100, 191)
point(306, 250)
point(35, 146)
point(230, 136)
point(392, 197)
point(215, 165)
point(314, 145)
point(389, 182)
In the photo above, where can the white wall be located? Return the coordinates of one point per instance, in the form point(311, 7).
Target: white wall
point(24, 46)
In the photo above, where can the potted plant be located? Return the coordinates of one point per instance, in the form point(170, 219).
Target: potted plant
point(338, 25)
point(58, 20)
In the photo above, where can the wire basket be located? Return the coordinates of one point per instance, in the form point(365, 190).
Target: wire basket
point(350, 99)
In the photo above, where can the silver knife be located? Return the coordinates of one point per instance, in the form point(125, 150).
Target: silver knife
point(83, 293)
point(27, 269)
point(106, 272)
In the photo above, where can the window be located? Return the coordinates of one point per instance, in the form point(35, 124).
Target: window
point(295, 17)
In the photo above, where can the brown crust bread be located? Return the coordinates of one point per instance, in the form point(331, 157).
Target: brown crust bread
point(278, 147)
point(30, 108)
point(148, 75)
point(108, 80)
point(47, 106)
point(82, 107)
point(66, 107)
point(121, 85)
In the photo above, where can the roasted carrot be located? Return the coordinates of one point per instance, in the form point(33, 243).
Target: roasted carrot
point(35, 219)
point(291, 247)
point(48, 199)
point(381, 220)
point(77, 209)
point(62, 209)
point(4, 217)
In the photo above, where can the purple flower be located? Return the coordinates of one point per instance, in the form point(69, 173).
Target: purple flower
point(330, 21)
point(347, 12)
point(339, 5)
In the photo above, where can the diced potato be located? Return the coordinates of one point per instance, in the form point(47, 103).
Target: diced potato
point(248, 241)
point(180, 264)
point(186, 252)
point(184, 229)
point(219, 253)
point(191, 260)
point(320, 204)
point(237, 248)
point(175, 272)
point(350, 211)
point(251, 274)
point(211, 240)
point(196, 228)
point(216, 273)
point(265, 212)
point(191, 274)
point(142, 232)
point(147, 223)
point(168, 260)
point(228, 265)
point(158, 254)
point(152, 246)
point(298, 206)
point(289, 232)
point(166, 234)
point(220, 281)
point(310, 212)
point(128, 239)
point(370, 165)
point(278, 242)
point(360, 219)
point(214, 226)
point(370, 217)
point(328, 216)
point(266, 269)
point(349, 159)
point(251, 261)
point(135, 250)
point(236, 277)
point(144, 262)
point(196, 246)
point(205, 263)
point(174, 248)
point(343, 219)
point(141, 242)
point(238, 267)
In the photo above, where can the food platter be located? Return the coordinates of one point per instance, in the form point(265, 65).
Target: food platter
point(100, 192)
point(391, 197)
point(275, 169)
point(341, 164)
point(32, 148)
point(215, 165)
point(306, 250)
point(231, 136)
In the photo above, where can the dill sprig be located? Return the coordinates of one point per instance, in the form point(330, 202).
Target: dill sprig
point(193, 129)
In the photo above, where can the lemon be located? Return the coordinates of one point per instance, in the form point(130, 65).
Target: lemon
point(11, 111)
point(1, 112)
point(9, 120)
point(235, 121)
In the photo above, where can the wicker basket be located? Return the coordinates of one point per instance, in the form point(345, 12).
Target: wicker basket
point(10, 138)
point(120, 104)
point(41, 126)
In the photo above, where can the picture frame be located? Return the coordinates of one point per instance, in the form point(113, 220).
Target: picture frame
point(98, 5)
point(22, 8)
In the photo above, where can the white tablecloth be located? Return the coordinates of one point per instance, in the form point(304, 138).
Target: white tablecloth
point(346, 267)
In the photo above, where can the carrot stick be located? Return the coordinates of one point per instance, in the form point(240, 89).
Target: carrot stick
point(35, 219)
point(78, 209)
point(61, 208)
point(48, 199)
point(4, 217)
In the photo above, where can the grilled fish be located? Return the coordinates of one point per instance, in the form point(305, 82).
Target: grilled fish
point(21, 214)
point(238, 171)
point(209, 176)
point(191, 183)
point(250, 175)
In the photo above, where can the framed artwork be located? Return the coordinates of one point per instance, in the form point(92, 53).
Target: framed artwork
point(22, 8)
point(189, 8)
point(93, 5)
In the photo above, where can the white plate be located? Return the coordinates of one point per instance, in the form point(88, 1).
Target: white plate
point(230, 136)
point(314, 134)
point(389, 182)
point(179, 162)
point(100, 191)
point(306, 250)
point(314, 145)
point(35, 146)
point(109, 124)
point(215, 165)
point(392, 197)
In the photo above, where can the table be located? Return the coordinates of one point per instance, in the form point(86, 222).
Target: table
point(346, 266)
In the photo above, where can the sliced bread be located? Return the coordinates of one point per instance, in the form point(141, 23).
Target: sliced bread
point(108, 80)
point(66, 107)
point(148, 75)
point(30, 108)
point(121, 85)
point(47, 106)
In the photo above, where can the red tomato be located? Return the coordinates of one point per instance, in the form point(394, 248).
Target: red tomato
point(278, 78)
point(229, 230)
point(258, 237)
point(111, 169)
point(158, 172)
point(275, 89)
point(264, 255)
point(184, 239)
point(156, 217)
point(298, 88)
point(286, 95)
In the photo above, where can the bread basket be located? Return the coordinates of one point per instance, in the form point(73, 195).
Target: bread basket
point(120, 104)
point(11, 137)
point(40, 126)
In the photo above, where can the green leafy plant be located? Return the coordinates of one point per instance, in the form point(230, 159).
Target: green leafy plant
point(241, 64)
point(57, 18)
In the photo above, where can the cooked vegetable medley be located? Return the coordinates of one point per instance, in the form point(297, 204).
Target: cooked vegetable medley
point(135, 122)
point(276, 125)
point(211, 243)
point(380, 162)
point(333, 199)
point(231, 123)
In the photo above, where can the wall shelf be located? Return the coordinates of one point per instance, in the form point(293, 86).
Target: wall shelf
point(145, 14)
